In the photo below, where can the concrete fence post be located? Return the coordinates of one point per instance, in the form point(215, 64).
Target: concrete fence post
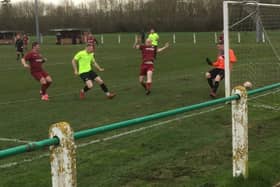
point(63, 156)
point(240, 133)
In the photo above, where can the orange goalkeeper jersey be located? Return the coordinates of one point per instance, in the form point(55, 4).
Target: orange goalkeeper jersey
point(220, 62)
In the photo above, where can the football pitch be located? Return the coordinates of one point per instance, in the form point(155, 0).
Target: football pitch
point(192, 149)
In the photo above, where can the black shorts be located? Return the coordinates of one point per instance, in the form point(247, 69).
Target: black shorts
point(214, 72)
point(91, 75)
point(20, 50)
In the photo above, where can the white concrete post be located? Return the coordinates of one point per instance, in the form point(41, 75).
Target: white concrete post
point(174, 38)
point(215, 38)
point(102, 39)
point(119, 39)
point(240, 133)
point(63, 156)
point(263, 37)
point(194, 38)
point(238, 37)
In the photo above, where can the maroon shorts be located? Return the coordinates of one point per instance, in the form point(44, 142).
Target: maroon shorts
point(39, 74)
point(145, 68)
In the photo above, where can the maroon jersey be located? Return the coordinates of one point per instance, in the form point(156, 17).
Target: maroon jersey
point(25, 40)
point(35, 60)
point(148, 53)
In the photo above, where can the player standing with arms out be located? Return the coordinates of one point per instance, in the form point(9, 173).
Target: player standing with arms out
point(154, 37)
point(215, 75)
point(19, 47)
point(36, 61)
point(82, 66)
point(147, 66)
point(25, 42)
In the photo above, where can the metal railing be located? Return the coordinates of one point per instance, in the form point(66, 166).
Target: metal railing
point(105, 128)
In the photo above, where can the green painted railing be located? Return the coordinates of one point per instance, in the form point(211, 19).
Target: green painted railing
point(90, 132)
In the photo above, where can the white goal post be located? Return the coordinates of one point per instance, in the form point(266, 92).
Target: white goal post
point(226, 30)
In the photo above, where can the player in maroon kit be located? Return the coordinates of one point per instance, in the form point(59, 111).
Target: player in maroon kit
point(36, 60)
point(147, 66)
point(92, 41)
point(25, 41)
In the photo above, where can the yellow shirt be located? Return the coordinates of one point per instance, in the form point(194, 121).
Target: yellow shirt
point(84, 60)
point(154, 37)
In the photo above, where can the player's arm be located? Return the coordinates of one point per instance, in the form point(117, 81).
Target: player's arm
point(209, 62)
point(137, 43)
point(75, 68)
point(163, 48)
point(95, 41)
point(96, 65)
point(23, 62)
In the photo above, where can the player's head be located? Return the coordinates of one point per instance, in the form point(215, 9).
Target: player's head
point(148, 42)
point(220, 45)
point(89, 48)
point(35, 46)
point(18, 36)
point(90, 35)
point(152, 30)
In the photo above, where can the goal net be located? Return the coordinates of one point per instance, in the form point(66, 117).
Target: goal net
point(252, 30)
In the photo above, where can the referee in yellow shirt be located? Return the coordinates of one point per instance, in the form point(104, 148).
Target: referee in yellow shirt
point(83, 63)
point(154, 37)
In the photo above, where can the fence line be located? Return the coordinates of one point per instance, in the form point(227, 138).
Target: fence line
point(63, 156)
point(90, 132)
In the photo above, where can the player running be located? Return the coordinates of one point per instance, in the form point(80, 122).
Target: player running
point(147, 66)
point(154, 37)
point(82, 66)
point(25, 42)
point(215, 75)
point(19, 47)
point(36, 61)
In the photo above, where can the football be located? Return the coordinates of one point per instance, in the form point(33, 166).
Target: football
point(248, 85)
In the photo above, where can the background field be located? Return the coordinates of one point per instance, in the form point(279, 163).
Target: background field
point(190, 150)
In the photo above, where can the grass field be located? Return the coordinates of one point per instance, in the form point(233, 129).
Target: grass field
point(193, 149)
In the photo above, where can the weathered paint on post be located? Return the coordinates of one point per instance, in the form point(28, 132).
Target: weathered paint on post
point(240, 133)
point(63, 156)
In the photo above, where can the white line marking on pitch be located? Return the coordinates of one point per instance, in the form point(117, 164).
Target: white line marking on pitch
point(14, 140)
point(11, 164)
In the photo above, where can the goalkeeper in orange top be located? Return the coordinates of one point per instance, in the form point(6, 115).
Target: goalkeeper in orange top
point(215, 75)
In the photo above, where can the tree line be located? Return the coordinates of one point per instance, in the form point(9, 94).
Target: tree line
point(103, 16)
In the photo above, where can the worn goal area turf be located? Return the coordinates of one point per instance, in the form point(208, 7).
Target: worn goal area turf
point(193, 149)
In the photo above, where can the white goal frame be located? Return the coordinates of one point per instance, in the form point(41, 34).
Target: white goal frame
point(226, 36)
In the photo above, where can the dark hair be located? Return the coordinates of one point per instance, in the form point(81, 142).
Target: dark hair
point(34, 44)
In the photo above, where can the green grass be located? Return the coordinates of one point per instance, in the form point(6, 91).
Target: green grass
point(194, 151)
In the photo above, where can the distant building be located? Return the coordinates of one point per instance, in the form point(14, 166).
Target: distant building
point(66, 36)
point(7, 37)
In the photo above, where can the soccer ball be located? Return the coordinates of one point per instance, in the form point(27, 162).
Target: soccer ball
point(248, 85)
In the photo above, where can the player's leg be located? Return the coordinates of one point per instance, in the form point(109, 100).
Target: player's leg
point(142, 75)
point(22, 54)
point(88, 84)
point(149, 81)
point(142, 81)
point(44, 87)
point(104, 87)
point(18, 55)
point(48, 80)
point(209, 79)
point(217, 80)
